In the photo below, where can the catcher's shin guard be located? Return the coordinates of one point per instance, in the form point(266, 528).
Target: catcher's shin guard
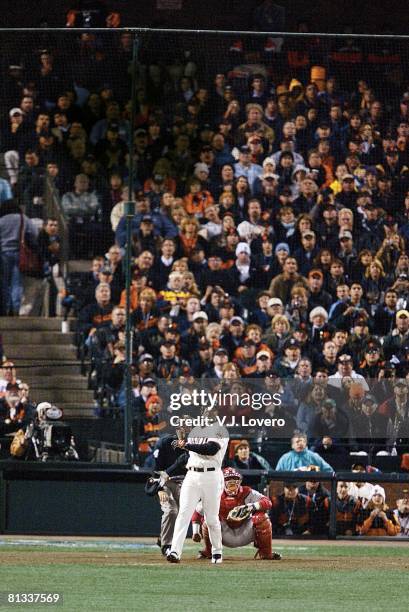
point(206, 553)
point(263, 536)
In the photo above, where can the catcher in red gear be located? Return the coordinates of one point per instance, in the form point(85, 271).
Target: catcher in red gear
point(243, 518)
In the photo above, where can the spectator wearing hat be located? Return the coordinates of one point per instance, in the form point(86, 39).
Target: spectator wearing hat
point(146, 366)
point(244, 459)
point(317, 296)
point(368, 428)
point(111, 150)
point(306, 254)
point(398, 337)
point(376, 519)
point(345, 370)
point(233, 338)
point(220, 359)
point(281, 252)
point(346, 198)
point(372, 363)
point(112, 115)
point(145, 238)
point(242, 273)
point(320, 330)
point(202, 360)
point(161, 224)
point(169, 366)
point(245, 358)
point(300, 457)
point(245, 167)
point(192, 336)
point(266, 190)
point(142, 390)
point(347, 253)
point(290, 511)
point(263, 364)
point(214, 275)
point(318, 511)
point(285, 366)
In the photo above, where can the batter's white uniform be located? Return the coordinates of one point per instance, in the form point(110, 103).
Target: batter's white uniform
point(203, 481)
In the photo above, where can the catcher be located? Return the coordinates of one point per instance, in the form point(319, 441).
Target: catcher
point(243, 519)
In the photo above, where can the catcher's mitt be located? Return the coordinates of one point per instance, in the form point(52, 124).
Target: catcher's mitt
point(240, 513)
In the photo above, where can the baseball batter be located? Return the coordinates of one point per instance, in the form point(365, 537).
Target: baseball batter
point(204, 481)
point(243, 518)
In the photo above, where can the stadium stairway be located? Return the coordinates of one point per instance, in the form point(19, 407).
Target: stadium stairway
point(46, 359)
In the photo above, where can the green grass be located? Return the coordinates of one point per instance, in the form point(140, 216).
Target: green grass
point(145, 584)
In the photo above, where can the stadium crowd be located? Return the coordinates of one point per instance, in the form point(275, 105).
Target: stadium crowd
point(270, 236)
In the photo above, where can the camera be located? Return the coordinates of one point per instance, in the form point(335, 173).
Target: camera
point(50, 438)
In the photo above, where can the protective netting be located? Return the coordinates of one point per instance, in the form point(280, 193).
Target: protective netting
point(248, 151)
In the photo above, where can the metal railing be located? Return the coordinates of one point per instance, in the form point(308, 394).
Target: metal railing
point(53, 209)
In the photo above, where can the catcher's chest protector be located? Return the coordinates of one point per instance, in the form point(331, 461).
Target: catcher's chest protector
point(228, 502)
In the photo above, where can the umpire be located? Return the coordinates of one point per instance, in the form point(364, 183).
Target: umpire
point(171, 464)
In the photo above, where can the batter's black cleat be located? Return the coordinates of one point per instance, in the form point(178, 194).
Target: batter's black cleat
point(276, 556)
point(172, 557)
point(166, 550)
point(217, 559)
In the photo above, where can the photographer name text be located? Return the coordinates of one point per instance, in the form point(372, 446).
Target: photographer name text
point(224, 421)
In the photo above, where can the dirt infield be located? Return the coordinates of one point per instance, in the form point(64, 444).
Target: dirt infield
point(154, 559)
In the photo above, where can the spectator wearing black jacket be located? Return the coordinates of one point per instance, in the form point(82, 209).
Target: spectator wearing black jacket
point(385, 314)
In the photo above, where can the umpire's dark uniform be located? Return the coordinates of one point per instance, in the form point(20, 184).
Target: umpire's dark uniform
point(173, 462)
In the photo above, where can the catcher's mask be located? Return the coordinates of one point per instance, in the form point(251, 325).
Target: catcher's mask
point(232, 481)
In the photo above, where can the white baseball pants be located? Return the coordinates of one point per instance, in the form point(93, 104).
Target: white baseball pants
point(207, 487)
